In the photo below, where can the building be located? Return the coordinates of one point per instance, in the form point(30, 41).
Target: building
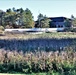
point(60, 22)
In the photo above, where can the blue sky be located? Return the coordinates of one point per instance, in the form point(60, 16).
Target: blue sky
point(50, 8)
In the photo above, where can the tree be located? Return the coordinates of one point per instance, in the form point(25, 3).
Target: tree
point(74, 22)
point(2, 14)
point(43, 21)
point(10, 17)
point(72, 17)
point(67, 23)
point(14, 17)
point(17, 18)
point(18, 21)
point(28, 19)
point(40, 17)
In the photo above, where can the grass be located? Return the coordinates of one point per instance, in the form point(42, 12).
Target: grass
point(21, 41)
point(57, 35)
point(39, 74)
point(24, 74)
point(55, 40)
point(31, 74)
point(10, 74)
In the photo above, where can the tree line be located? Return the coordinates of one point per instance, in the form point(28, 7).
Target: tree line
point(20, 18)
point(14, 18)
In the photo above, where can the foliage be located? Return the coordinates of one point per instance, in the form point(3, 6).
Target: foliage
point(50, 35)
point(2, 28)
point(70, 29)
point(29, 23)
point(67, 23)
point(17, 18)
point(36, 42)
point(45, 23)
point(42, 22)
point(74, 22)
point(38, 61)
point(2, 16)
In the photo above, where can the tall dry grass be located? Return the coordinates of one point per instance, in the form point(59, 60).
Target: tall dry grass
point(38, 61)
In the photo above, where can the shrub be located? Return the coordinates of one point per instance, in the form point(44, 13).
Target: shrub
point(1, 28)
point(40, 61)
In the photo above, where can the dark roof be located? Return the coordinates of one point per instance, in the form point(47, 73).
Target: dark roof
point(58, 19)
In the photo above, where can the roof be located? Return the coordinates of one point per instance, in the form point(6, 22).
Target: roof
point(58, 19)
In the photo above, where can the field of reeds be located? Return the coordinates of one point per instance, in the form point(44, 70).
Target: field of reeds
point(45, 41)
point(63, 63)
point(47, 53)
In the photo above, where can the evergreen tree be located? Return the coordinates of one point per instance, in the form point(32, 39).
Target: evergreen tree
point(40, 17)
point(43, 21)
point(28, 19)
point(67, 23)
point(74, 22)
point(19, 18)
point(72, 17)
point(2, 15)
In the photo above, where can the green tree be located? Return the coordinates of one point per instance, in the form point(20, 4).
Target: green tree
point(28, 19)
point(2, 14)
point(67, 23)
point(16, 18)
point(72, 17)
point(10, 17)
point(40, 17)
point(43, 21)
point(74, 22)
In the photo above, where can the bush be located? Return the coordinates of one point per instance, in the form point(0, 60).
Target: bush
point(8, 27)
point(70, 29)
point(73, 29)
point(2, 28)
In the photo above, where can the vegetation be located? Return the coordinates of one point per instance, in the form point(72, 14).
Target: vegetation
point(51, 35)
point(16, 18)
point(1, 30)
point(42, 22)
point(51, 41)
point(42, 54)
point(34, 56)
point(74, 22)
point(63, 62)
point(20, 18)
point(67, 23)
point(46, 40)
point(10, 74)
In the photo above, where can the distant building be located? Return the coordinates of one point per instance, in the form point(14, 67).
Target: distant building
point(59, 22)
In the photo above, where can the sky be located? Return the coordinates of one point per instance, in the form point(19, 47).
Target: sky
point(50, 8)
